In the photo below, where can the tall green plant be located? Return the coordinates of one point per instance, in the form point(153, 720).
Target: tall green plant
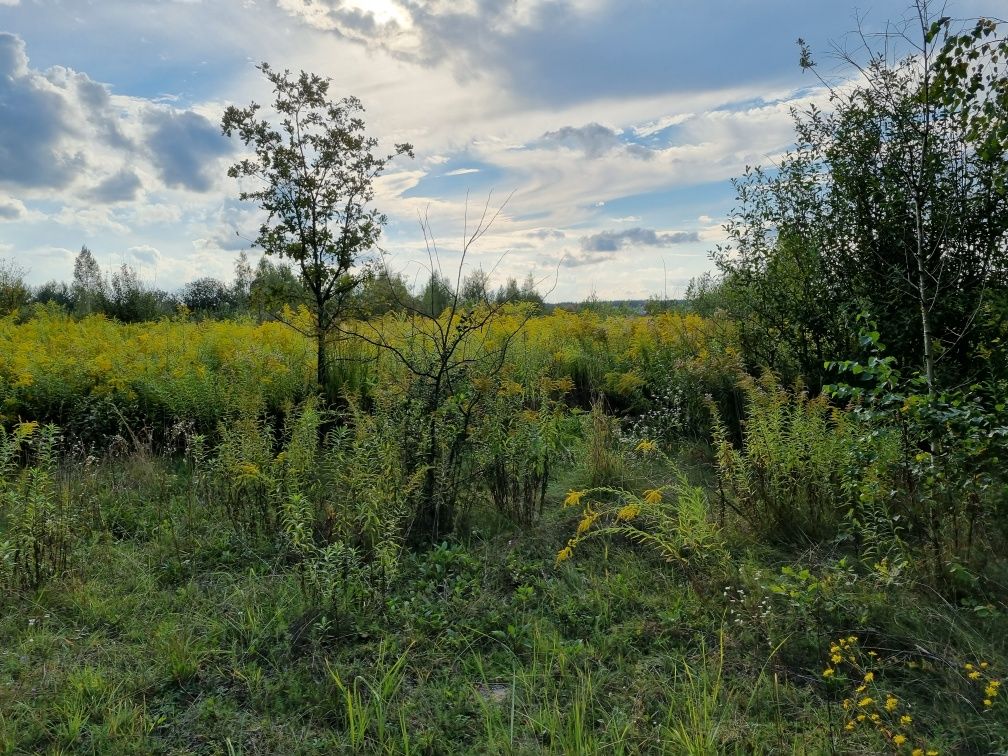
point(786, 482)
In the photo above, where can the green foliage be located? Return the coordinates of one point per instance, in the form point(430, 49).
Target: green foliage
point(41, 523)
point(604, 455)
point(315, 171)
point(525, 432)
point(928, 467)
point(786, 482)
point(672, 519)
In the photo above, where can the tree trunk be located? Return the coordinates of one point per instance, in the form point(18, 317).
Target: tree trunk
point(322, 370)
point(922, 300)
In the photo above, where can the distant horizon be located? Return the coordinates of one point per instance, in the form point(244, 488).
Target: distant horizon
point(617, 126)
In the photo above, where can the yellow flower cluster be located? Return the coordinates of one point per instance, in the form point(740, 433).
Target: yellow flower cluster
point(574, 498)
point(653, 496)
point(874, 706)
point(628, 512)
point(992, 686)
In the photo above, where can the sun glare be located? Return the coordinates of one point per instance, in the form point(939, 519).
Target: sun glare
point(383, 11)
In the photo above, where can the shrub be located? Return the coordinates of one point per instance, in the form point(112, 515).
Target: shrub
point(786, 482)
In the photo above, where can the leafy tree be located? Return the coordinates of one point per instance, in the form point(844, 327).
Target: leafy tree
point(437, 294)
point(476, 287)
point(242, 286)
point(54, 291)
point(889, 202)
point(384, 292)
point(313, 169)
point(89, 289)
point(130, 301)
point(207, 296)
point(274, 286)
point(14, 292)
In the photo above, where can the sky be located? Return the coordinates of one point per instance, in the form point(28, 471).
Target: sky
point(606, 132)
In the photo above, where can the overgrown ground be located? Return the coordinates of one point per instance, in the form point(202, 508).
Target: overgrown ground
point(173, 632)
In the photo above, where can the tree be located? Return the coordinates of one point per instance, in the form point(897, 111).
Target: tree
point(207, 296)
point(130, 301)
point(889, 203)
point(315, 169)
point(89, 290)
point(274, 287)
point(14, 292)
point(437, 294)
point(384, 292)
point(242, 286)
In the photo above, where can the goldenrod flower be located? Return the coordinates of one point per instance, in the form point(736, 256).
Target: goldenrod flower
point(628, 512)
point(573, 498)
point(652, 496)
point(564, 554)
point(586, 522)
point(646, 446)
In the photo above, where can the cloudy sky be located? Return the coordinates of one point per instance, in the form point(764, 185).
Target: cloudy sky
point(614, 126)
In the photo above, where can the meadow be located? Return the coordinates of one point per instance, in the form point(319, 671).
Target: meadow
point(649, 549)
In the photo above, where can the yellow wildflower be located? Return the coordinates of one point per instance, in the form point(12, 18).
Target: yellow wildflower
point(988, 703)
point(573, 498)
point(628, 512)
point(652, 496)
point(869, 677)
point(564, 554)
point(969, 666)
point(906, 719)
point(860, 717)
point(974, 675)
point(586, 522)
point(646, 446)
point(849, 726)
point(899, 740)
point(984, 665)
point(866, 701)
point(836, 658)
point(917, 752)
point(828, 672)
point(891, 703)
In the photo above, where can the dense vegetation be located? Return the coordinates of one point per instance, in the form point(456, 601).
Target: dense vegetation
point(771, 518)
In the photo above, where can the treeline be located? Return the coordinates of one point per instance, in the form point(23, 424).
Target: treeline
point(257, 291)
